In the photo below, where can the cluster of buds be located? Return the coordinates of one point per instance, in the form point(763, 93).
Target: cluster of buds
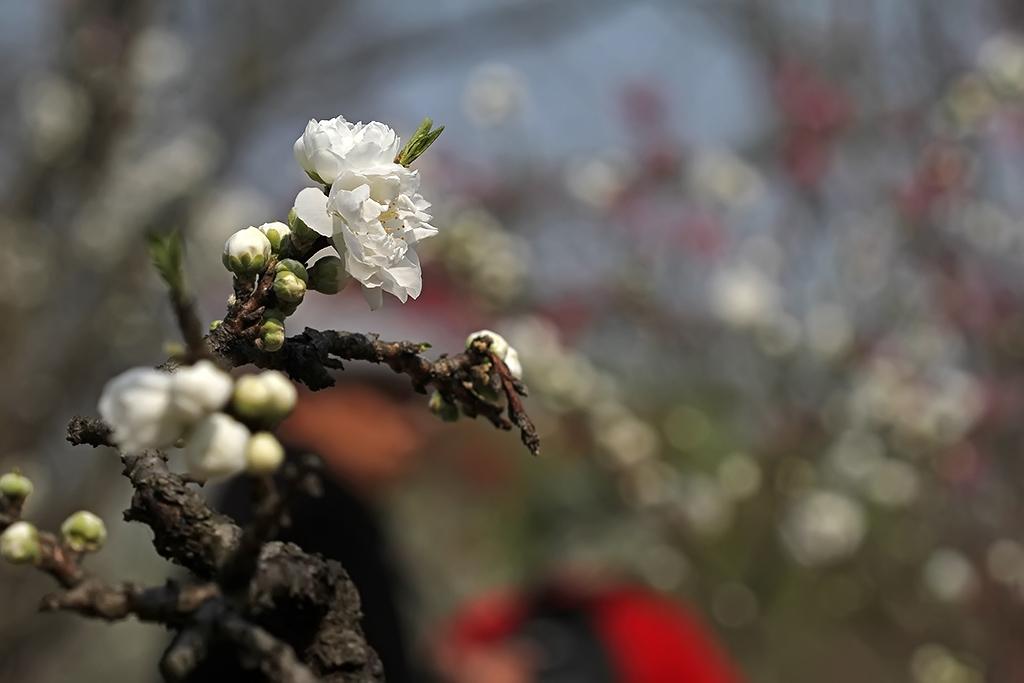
point(204, 408)
point(82, 532)
point(19, 543)
point(248, 254)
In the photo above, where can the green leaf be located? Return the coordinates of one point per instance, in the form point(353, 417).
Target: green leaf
point(167, 253)
point(419, 142)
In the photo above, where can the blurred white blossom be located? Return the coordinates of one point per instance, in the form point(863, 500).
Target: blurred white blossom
point(822, 527)
point(216, 447)
point(55, 111)
point(494, 93)
point(139, 407)
point(949, 576)
point(743, 296)
point(158, 56)
point(1001, 59)
point(720, 176)
point(1004, 561)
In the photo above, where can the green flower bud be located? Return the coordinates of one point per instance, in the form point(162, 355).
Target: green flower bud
point(278, 233)
point(246, 252)
point(302, 236)
point(288, 287)
point(15, 486)
point(84, 532)
point(264, 453)
point(251, 398)
point(283, 394)
point(215, 324)
point(447, 411)
point(19, 543)
point(266, 398)
point(272, 334)
point(292, 266)
point(328, 275)
point(272, 323)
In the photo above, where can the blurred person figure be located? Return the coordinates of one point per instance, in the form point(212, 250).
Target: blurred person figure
point(579, 632)
point(366, 439)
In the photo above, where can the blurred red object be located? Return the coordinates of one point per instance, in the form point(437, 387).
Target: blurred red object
point(814, 111)
point(644, 637)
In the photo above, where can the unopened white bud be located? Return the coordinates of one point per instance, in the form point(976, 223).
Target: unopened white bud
point(200, 389)
point(19, 543)
point(267, 397)
point(264, 454)
point(251, 397)
point(216, 447)
point(277, 232)
point(283, 394)
point(246, 252)
point(515, 367)
point(139, 406)
point(498, 344)
point(84, 532)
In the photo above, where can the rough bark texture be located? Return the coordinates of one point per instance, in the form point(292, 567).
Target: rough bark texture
point(309, 358)
point(262, 610)
point(294, 617)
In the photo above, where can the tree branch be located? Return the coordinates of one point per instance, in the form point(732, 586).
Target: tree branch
point(170, 604)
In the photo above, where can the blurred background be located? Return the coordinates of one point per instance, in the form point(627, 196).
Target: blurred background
point(762, 261)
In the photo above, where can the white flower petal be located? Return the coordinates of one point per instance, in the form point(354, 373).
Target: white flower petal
point(374, 297)
point(216, 447)
point(200, 389)
point(311, 209)
point(138, 406)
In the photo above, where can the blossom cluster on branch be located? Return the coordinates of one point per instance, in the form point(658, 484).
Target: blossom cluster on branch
point(363, 222)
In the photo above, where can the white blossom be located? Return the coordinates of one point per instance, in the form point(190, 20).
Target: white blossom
point(200, 389)
point(376, 217)
point(138, 406)
point(823, 527)
point(216, 447)
point(329, 148)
